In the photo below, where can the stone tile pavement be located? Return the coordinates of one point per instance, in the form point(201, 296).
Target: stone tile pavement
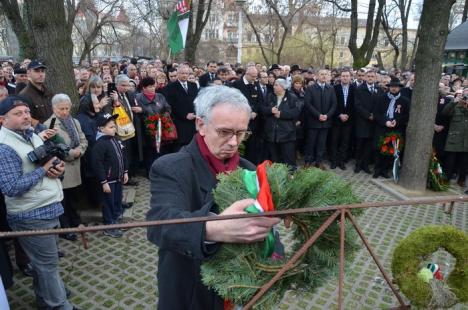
point(120, 273)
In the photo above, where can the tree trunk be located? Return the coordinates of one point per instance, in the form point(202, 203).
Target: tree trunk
point(433, 35)
point(465, 11)
point(52, 38)
point(193, 37)
point(12, 12)
point(380, 61)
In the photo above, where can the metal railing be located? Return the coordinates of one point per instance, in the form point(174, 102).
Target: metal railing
point(341, 211)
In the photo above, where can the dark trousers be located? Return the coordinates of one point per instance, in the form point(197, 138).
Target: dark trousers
point(112, 203)
point(456, 162)
point(284, 152)
point(130, 153)
point(341, 134)
point(316, 141)
point(364, 149)
point(70, 203)
point(254, 149)
point(382, 163)
point(150, 154)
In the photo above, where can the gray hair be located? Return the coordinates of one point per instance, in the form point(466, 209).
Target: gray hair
point(121, 78)
point(283, 83)
point(209, 97)
point(60, 98)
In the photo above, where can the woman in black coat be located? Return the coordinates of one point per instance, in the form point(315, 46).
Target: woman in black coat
point(280, 112)
point(153, 102)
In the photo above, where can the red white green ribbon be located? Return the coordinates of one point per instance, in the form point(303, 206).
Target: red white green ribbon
point(256, 183)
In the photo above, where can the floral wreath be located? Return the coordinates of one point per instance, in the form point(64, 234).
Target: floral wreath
point(425, 291)
point(237, 271)
point(390, 142)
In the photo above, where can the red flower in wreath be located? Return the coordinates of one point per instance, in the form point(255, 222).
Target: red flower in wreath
point(152, 126)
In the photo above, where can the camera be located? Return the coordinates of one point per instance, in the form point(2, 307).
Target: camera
point(49, 149)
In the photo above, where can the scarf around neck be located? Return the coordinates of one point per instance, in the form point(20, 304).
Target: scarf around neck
point(391, 106)
point(150, 96)
point(71, 130)
point(216, 165)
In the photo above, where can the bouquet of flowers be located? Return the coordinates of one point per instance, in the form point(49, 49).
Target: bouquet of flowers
point(391, 142)
point(160, 128)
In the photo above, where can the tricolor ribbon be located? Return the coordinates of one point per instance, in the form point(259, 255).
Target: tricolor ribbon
point(256, 183)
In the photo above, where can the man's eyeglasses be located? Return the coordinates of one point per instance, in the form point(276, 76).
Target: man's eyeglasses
point(227, 134)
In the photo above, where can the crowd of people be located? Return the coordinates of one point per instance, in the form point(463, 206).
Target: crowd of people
point(295, 115)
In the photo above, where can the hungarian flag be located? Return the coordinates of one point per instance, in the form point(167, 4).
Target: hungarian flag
point(177, 26)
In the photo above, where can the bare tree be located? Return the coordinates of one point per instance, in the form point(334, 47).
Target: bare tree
point(390, 32)
point(199, 14)
point(465, 11)
point(282, 15)
point(432, 38)
point(90, 28)
point(45, 32)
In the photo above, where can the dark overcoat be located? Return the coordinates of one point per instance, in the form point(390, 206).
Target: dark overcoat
point(181, 187)
point(318, 102)
point(401, 115)
point(364, 104)
point(181, 103)
point(282, 129)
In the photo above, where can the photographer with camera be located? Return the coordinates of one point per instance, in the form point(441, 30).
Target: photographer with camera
point(456, 146)
point(69, 130)
point(33, 194)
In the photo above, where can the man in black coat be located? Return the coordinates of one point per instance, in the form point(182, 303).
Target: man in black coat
point(319, 109)
point(364, 103)
point(181, 187)
point(180, 96)
point(208, 78)
point(250, 89)
point(391, 115)
point(342, 120)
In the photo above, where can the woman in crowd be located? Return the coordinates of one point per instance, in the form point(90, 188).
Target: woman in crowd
point(95, 94)
point(152, 103)
point(90, 106)
point(69, 129)
point(271, 81)
point(456, 146)
point(297, 89)
point(280, 112)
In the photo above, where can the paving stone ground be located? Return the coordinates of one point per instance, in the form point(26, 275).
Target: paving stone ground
point(120, 273)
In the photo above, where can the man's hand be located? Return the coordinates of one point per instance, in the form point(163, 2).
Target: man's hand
point(137, 109)
point(323, 118)
point(125, 178)
point(47, 134)
point(75, 153)
point(438, 128)
point(106, 188)
point(115, 98)
point(54, 171)
point(239, 230)
point(191, 116)
point(343, 117)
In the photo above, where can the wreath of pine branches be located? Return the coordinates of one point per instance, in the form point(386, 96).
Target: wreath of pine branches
point(237, 271)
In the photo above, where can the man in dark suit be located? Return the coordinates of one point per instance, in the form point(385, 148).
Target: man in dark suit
point(364, 121)
point(181, 187)
point(248, 87)
point(319, 108)
point(391, 115)
point(342, 120)
point(208, 78)
point(180, 96)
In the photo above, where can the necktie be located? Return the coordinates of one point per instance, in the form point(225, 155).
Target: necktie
point(184, 85)
point(372, 89)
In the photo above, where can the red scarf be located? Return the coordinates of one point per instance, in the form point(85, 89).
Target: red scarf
point(216, 165)
point(150, 96)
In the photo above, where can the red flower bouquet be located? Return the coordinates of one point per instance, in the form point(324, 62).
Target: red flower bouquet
point(388, 143)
